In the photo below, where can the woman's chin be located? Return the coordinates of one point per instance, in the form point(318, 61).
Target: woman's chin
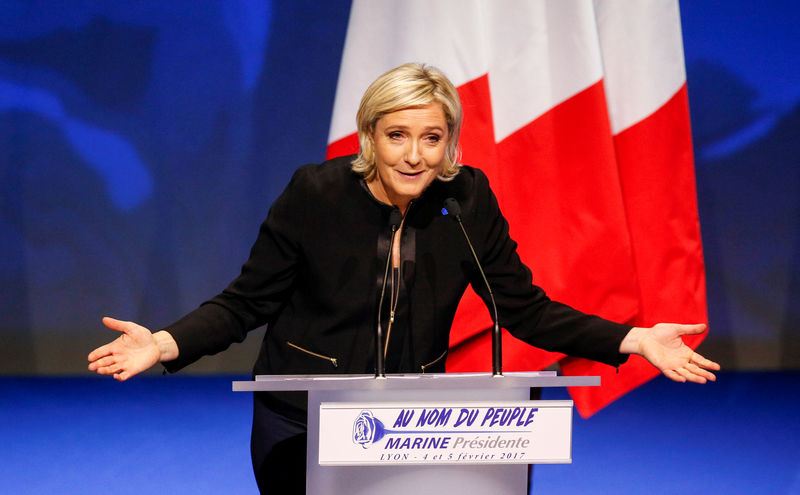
point(409, 192)
point(412, 186)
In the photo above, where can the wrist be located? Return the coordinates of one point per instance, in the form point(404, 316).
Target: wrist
point(631, 343)
point(167, 347)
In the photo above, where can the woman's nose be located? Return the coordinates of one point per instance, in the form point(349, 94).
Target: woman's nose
point(413, 156)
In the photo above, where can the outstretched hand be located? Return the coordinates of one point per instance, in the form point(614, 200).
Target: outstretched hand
point(136, 350)
point(663, 346)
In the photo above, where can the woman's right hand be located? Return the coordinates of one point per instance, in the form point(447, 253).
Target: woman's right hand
point(136, 350)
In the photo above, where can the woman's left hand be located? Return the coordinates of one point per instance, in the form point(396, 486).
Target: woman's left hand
point(663, 346)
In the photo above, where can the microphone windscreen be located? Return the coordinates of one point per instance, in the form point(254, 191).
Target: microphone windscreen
point(451, 207)
point(395, 218)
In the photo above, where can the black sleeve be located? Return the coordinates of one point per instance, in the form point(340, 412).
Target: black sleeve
point(523, 308)
point(257, 294)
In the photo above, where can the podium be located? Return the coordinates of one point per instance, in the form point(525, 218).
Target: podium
point(452, 397)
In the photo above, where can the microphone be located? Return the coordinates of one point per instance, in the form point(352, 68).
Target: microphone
point(395, 219)
point(453, 209)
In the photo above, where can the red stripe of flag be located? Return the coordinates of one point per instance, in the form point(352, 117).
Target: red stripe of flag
point(657, 173)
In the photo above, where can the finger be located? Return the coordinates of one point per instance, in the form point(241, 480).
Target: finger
point(98, 353)
point(703, 362)
point(103, 362)
point(102, 351)
point(672, 375)
point(122, 376)
point(111, 365)
point(118, 325)
point(109, 370)
point(690, 377)
point(693, 368)
point(691, 329)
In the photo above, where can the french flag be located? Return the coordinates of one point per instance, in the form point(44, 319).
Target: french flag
point(577, 111)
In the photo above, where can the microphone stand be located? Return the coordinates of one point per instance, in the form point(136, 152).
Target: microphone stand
point(451, 207)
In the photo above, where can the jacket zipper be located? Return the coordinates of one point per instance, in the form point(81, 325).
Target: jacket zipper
point(333, 361)
point(399, 274)
point(433, 362)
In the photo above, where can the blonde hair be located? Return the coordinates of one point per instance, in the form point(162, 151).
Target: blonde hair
point(410, 85)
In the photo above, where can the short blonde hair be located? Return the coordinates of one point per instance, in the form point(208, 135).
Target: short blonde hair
point(410, 85)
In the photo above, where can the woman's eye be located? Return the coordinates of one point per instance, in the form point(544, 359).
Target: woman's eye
point(434, 138)
point(395, 135)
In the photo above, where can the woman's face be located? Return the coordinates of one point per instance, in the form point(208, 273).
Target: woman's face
point(409, 148)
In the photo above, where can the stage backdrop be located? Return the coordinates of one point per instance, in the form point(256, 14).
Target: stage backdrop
point(141, 145)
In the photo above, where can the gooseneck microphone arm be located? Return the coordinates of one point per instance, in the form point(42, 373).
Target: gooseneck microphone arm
point(395, 218)
point(453, 209)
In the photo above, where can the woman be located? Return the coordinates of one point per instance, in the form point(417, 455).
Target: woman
point(315, 272)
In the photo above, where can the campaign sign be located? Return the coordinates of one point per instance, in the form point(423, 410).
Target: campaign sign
point(521, 432)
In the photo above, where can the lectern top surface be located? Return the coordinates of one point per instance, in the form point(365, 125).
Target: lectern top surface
point(414, 381)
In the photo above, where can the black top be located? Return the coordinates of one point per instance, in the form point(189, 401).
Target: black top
point(314, 270)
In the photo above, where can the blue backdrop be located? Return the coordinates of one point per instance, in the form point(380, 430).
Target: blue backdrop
point(141, 144)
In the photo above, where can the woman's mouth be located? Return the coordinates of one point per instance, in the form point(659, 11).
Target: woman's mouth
point(410, 174)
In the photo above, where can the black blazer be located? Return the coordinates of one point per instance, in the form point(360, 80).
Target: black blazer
point(314, 274)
